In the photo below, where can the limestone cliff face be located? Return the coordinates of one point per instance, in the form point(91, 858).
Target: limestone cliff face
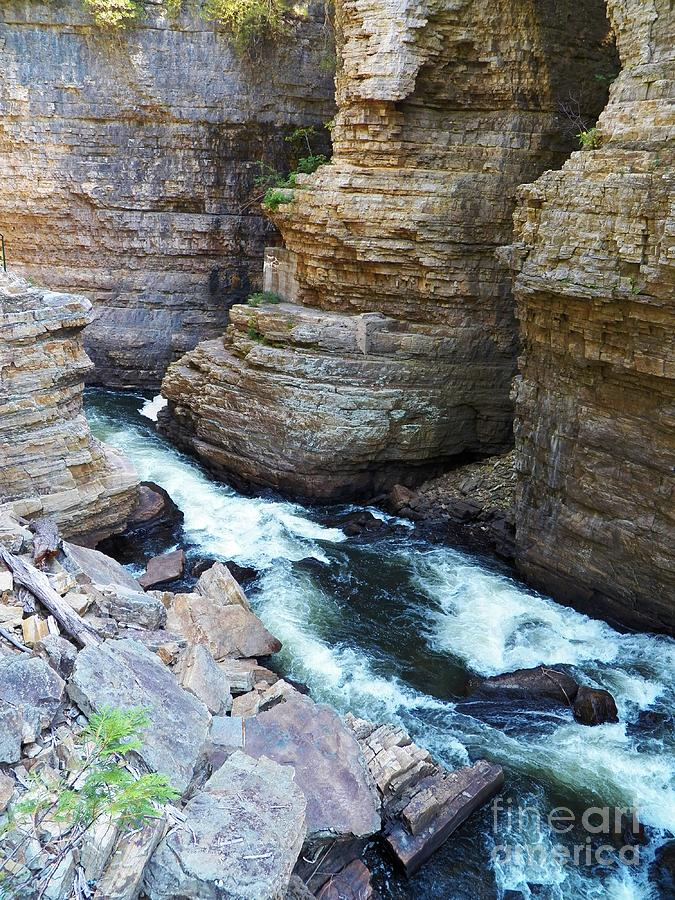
point(595, 399)
point(127, 161)
point(395, 348)
point(49, 462)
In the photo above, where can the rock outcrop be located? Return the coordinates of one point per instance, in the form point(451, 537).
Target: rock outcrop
point(127, 160)
point(594, 399)
point(395, 347)
point(49, 461)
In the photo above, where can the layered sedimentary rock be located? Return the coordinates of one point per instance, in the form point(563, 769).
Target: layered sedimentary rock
point(395, 348)
point(49, 462)
point(595, 399)
point(127, 160)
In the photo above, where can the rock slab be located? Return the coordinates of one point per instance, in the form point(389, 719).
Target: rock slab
point(125, 674)
point(241, 837)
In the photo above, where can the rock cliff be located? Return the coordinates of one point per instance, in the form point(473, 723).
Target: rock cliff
point(594, 401)
point(130, 159)
point(394, 350)
point(49, 462)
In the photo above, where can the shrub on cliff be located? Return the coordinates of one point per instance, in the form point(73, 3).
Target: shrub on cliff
point(113, 13)
point(247, 21)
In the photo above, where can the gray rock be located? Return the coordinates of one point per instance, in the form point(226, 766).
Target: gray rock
point(241, 837)
point(330, 768)
point(218, 582)
point(58, 652)
point(97, 568)
point(34, 688)
point(124, 673)
point(199, 674)
point(131, 607)
point(11, 731)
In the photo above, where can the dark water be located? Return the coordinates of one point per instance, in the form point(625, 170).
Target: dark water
point(391, 630)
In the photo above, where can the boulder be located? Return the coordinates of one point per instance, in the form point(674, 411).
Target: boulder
point(594, 707)
point(130, 607)
point(124, 673)
point(245, 674)
point(96, 568)
point(59, 653)
point(198, 673)
point(227, 630)
point(219, 583)
point(240, 839)
point(154, 509)
point(351, 883)
point(329, 765)
point(542, 682)
point(34, 689)
point(226, 737)
point(163, 569)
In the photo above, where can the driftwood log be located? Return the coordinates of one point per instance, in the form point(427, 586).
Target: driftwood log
point(37, 583)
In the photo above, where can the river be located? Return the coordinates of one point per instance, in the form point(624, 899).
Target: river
point(391, 629)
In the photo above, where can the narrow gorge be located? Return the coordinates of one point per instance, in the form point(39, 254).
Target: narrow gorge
point(337, 450)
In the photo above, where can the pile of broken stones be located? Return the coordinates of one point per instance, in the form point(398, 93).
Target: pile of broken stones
point(279, 795)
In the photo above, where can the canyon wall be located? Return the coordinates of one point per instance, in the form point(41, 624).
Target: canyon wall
point(49, 462)
point(394, 350)
point(128, 159)
point(595, 400)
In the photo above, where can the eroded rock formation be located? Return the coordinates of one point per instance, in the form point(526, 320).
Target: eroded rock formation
point(396, 347)
point(594, 429)
point(49, 461)
point(127, 160)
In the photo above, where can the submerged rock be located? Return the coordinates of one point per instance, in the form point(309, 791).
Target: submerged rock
point(240, 839)
point(124, 673)
point(594, 707)
point(537, 683)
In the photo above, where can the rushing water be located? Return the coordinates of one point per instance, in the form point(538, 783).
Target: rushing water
point(392, 628)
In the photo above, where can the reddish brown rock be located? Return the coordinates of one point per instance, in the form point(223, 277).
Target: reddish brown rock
point(163, 569)
point(594, 707)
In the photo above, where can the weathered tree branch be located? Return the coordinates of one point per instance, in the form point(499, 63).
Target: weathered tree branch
point(37, 583)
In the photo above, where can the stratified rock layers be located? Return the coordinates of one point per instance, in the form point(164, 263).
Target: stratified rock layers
point(396, 348)
point(595, 400)
point(128, 158)
point(49, 462)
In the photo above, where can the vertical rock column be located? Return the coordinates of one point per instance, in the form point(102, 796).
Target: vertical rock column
point(595, 258)
point(49, 462)
point(394, 350)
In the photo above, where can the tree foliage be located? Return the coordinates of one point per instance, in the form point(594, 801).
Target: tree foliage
point(98, 785)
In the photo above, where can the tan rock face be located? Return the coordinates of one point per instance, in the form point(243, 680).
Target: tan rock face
point(397, 345)
point(49, 462)
point(127, 162)
point(594, 428)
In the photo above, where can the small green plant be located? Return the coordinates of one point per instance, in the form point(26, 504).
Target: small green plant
point(263, 297)
point(590, 139)
point(114, 13)
point(248, 21)
point(274, 198)
point(60, 807)
point(307, 165)
point(255, 335)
